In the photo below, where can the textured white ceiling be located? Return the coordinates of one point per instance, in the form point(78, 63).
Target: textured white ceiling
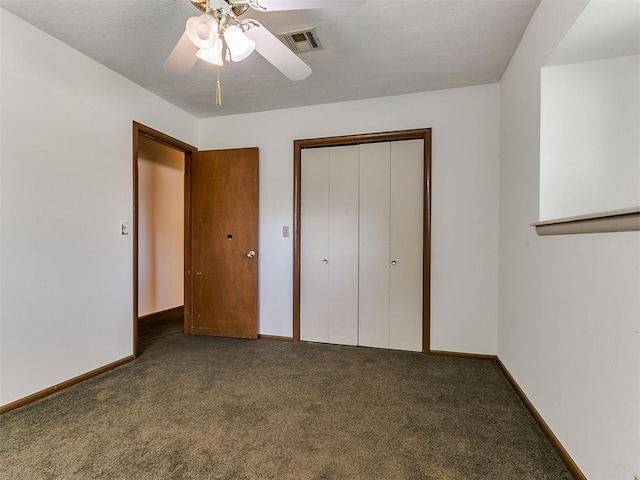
point(385, 47)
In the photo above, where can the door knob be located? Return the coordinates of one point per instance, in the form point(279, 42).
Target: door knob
point(393, 262)
point(325, 261)
point(251, 254)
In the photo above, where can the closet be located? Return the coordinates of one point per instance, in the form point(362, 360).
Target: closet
point(361, 251)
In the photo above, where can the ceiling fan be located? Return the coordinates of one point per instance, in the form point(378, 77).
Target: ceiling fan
point(218, 35)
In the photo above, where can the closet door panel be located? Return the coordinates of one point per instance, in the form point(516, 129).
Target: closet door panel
point(374, 245)
point(405, 311)
point(314, 246)
point(343, 245)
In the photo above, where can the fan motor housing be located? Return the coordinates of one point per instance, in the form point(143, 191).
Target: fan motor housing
point(236, 9)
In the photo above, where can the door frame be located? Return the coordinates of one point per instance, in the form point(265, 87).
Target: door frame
point(417, 134)
point(140, 129)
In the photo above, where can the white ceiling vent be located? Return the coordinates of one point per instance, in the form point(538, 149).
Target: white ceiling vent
point(301, 41)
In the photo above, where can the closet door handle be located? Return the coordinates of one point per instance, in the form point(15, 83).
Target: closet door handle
point(325, 261)
point(393, 262)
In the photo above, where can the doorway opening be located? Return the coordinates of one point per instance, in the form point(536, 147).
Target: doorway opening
point(160, 236)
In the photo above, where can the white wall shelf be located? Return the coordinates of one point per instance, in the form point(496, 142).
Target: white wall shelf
point(623, 220)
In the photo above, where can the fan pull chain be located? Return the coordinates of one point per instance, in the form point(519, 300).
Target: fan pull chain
point(218, 91)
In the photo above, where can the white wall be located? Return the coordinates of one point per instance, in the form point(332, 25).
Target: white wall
point(160, 227)
point(569, 318)
point(465, 199)
point(589, 151)
point(1, 149)
point(66, 162)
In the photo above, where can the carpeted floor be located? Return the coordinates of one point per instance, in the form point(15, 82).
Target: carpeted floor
point(211, 408)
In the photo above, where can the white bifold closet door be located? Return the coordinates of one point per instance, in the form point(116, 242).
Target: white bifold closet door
point(361, 245)
point(391, 246)
point(329, 255)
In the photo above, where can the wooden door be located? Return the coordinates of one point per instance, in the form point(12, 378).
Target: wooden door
point(223, 224)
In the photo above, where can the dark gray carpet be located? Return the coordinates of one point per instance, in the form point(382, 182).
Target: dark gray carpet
point(210, 408)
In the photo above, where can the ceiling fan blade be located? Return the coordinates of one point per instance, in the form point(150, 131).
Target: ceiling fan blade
point(275, 5)
point(183, 57)
point(275, 52)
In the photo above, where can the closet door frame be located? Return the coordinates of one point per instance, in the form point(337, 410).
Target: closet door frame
point(418, 134)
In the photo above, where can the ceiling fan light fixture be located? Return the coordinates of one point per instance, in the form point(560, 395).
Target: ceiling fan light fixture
point(202, 31)
point(212, 55)
point(240, 46)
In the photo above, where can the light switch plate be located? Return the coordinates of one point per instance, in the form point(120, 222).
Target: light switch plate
point(285, 231)
point(124, 228)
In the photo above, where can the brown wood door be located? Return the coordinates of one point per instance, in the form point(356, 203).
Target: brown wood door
point(223, 267)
